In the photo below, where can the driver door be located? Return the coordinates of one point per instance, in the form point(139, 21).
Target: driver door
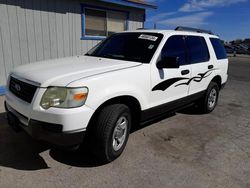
point(170, 84)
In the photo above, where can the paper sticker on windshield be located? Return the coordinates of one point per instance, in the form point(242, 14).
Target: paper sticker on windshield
point(148, 37)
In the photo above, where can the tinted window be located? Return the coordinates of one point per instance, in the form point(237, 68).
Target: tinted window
point(175, 47)
point(218, 48)
point(197, 48)
point(138, 47)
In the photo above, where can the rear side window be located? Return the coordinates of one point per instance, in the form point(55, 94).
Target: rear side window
point(218, 48)
point(175, 47)
point(197, 48)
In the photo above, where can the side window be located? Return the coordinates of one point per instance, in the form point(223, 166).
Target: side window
point(197, 48)
point(175, 47)
point(218, 48)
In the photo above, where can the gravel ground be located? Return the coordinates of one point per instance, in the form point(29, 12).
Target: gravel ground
point(184, 150)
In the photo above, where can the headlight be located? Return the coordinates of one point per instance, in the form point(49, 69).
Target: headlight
point(61, 97)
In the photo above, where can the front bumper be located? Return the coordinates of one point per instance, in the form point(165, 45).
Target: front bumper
point(48, 132)
point(72, 120)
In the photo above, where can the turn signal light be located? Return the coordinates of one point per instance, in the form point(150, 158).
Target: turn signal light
point(80, 96)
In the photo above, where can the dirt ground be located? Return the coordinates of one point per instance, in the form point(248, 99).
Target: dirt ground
point(185, 150)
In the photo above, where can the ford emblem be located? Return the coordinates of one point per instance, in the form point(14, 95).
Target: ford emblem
point(17, 87)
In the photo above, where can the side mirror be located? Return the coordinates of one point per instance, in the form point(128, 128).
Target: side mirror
point(168, 62)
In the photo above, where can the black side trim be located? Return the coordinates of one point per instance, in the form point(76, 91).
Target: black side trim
point(173, 106)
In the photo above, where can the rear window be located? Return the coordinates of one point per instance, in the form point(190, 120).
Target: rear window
point(197, 49)
point(218, 48)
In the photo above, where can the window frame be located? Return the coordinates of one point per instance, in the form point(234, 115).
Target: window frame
point(90, 37)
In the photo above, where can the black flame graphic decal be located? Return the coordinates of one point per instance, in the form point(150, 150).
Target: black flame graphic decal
point(167, 83)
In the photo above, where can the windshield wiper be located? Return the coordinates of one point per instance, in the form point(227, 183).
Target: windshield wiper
point(113, 56)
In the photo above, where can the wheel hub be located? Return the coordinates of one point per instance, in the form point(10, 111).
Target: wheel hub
point(120, 132)
point(212, 98)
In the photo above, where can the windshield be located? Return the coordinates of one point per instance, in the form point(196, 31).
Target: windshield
point(139, 47)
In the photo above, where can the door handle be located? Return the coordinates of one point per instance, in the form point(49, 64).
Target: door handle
point(184, 72)
point(210, 66)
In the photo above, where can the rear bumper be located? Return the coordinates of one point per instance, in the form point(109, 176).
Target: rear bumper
point(48, 132)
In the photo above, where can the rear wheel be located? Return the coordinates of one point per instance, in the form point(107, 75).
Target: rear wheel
point(208, 103)
point(111, 132)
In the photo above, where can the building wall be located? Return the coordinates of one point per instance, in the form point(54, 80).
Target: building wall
point(34, 30)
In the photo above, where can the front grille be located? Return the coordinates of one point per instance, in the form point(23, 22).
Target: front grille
point(22, 89)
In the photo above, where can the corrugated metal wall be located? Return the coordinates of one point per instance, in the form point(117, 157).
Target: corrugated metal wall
point(33, 30)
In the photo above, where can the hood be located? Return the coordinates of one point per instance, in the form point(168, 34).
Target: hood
point(60, 72)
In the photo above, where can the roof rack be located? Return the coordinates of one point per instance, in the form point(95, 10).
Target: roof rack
point(180, 28)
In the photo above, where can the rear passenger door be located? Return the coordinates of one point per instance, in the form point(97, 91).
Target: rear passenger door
point(201, 66)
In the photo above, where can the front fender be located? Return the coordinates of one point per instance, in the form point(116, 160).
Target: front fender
point(134, 82)
point(105, 95)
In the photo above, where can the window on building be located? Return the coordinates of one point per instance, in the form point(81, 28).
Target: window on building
point(116, 22)
point(95, 22)
point(102, 23)
point(197, 48)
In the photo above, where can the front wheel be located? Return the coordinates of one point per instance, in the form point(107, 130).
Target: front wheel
point(210, 99)
point(112, 128)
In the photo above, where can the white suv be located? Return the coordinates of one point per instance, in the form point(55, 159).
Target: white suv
point(129, 78)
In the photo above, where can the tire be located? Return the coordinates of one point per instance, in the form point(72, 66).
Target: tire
point(111, 132)
point(208, 103)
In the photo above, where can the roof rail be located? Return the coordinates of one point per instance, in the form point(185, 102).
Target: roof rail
point(180, 28)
